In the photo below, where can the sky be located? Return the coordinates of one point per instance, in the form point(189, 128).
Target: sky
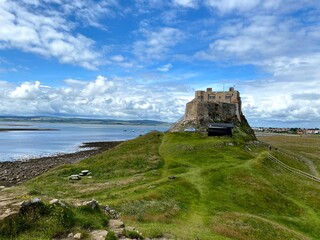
point(143, 59)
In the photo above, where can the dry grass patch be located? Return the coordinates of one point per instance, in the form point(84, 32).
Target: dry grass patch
point(250, 227)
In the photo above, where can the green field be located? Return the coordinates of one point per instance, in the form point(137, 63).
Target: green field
point(305, 148)
point(223, 188)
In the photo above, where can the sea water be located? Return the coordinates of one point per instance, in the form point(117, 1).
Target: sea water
point(66, 137)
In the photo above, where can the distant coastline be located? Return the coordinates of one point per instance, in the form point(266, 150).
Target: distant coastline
point(50, 119)
point(26, 129)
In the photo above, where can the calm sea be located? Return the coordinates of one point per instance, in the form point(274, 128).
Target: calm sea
point(19, 145)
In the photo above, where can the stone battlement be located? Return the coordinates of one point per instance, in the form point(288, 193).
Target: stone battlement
point(232, 96)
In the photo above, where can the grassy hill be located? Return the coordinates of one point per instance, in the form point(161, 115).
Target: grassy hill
point(220, 188)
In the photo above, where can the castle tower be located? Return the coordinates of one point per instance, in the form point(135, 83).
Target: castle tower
point(232, 97)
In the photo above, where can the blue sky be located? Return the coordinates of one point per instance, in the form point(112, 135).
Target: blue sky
point(139, 59)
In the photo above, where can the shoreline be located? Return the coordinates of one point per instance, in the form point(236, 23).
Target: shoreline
point(17, 172)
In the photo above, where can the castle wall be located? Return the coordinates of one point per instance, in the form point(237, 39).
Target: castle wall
point(232, 96)
point(203, 111)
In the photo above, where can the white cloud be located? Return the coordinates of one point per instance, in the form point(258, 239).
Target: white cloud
point(257, 6)
point(186, 3)
point(27, 91)
point(89, 11)
point(117, 58)
point(165, 68)
point(29, 28)
point(295, 103)
point(229, 5)
point(98, 87)
point(260, 38)
point(157, 44)
point(101, 97)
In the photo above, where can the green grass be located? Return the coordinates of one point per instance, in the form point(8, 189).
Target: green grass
point(224, 188)
point(45, 221)
point(301, 147)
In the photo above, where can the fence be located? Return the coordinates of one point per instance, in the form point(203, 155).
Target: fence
point(291, 169)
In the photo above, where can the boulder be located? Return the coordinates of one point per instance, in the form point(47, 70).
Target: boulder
point(30, 202)
point(54, 201)
point(85, 172)
point(77, 236)
point(57, 202)
point(98, 234)
point(115, 223)
point(93, 204)
point(74, 177)
point(111, 213)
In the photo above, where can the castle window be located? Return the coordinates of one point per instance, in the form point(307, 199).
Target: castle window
point(212, 97)
point(228, 97)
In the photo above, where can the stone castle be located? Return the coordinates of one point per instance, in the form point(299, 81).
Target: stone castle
point(212, 107)
point(232, 96)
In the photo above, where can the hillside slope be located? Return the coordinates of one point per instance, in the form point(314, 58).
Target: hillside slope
point(219, 188)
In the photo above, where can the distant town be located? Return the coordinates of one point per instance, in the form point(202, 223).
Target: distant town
point(287, 130)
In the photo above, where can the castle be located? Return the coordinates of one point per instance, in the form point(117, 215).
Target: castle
point(210, 107)
point(232, 96)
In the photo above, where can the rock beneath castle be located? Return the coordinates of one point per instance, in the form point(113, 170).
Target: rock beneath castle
point(209, 107)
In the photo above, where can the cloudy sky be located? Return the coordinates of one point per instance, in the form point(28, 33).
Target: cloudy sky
point(143, 59)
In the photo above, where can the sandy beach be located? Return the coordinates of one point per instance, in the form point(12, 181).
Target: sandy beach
point(16, 172)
